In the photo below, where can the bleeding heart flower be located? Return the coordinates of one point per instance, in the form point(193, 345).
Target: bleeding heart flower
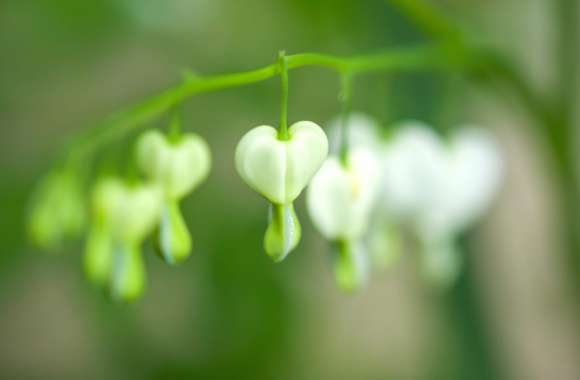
point(340, 199)
point(412, 164)
point(468, 182)
point(177, 166)
point(340, 203)
point(123, 216)
point(280, 169)
point(58, 210)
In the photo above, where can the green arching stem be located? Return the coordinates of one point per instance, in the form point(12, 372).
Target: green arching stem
point(345, 99)
point(417, 58)
point(283, 128)
point(175, 124)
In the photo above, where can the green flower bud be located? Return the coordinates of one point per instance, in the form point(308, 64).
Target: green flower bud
point(173, 241)
point(350, 264)
point(283, 232)
point(58, 210)
point(280, 169)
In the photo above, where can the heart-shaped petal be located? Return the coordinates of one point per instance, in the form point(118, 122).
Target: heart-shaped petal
point(177, 166)
point(280, 169)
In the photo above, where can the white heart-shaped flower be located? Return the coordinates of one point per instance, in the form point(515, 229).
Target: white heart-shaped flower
point(413, 161)
point(280, 169)
point(469, 181)
point(340, 199)
point(177, 166)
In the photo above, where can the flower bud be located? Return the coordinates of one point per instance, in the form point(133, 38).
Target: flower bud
point(128, 276)
point(283, 233)
point(350, 265)
point(280, 169)
point(58, 210)
point(172, 239)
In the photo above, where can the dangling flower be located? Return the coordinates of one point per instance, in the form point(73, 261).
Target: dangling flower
point(177, 166)
point(123, 215)
point(412, 163)
point(340, 198)
point(279, 170)
point(340, 202)
point(439, 189)
point(58, 210)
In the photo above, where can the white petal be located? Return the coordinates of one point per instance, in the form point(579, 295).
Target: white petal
point(279, 170)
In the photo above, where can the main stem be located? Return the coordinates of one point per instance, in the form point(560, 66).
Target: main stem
point(424, 57)
point(283, 131)
point(345, 98)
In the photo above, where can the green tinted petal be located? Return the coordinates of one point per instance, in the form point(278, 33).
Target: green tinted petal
point(350, 264)
point(128, 275)
point(172, 238)
point(283, 232)
point(98, 256)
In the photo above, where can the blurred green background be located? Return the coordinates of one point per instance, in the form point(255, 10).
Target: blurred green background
point(229, 312)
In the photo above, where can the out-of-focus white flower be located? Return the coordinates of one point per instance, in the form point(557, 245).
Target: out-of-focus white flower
point(412, 164)
point(439, 188)
point(123, 216)
point(340, 199)
point(58, 210)
point(469, 181)
point(362, 131)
